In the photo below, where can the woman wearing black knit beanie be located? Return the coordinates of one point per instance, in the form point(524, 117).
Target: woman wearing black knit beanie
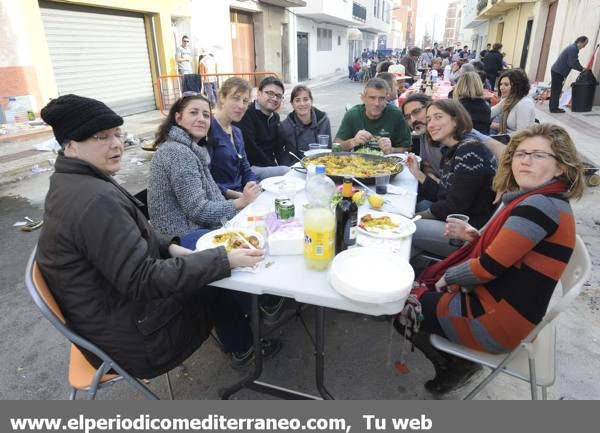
point(138, 295)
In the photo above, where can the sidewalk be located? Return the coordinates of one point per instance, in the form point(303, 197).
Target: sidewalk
point(584, 129)
point(19, 160)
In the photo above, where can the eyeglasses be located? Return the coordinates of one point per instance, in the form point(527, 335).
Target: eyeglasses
point(274, 95)
point(106, 138)
point(536, 155)
point(414, 113)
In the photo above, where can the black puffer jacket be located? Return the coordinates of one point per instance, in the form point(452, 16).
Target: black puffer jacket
point(111, 275)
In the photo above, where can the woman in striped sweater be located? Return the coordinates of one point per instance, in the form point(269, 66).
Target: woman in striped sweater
point(493, 291)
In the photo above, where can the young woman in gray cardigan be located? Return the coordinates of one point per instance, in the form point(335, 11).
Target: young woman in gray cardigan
point(183, 198)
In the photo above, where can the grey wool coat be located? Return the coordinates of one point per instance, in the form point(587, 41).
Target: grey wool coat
point(182, 194)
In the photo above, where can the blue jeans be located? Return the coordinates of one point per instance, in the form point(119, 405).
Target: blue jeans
point(189, 239)
point(265, 172)
point(211, 93)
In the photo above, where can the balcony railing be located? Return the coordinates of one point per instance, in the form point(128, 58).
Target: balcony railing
point(359, 12)
point(481, 4)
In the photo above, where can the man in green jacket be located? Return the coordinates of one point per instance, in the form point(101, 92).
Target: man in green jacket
point(374, 122)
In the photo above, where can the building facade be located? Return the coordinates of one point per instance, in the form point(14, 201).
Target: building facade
point(475, 29)
point(74, 48)
point(452, 27)
point(405, 12)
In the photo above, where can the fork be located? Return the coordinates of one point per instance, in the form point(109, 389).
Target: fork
point(227, 225)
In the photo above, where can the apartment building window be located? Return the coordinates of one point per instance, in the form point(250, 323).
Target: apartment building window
point(359, 12)
point(324, 37)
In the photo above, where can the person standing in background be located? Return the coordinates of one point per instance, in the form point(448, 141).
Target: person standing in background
point(492, 64)
point(183, 56)
point(190, 82)
point(208, 67)
point(567, 60)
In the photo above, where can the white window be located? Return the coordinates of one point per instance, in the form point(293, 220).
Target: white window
point(324, 39)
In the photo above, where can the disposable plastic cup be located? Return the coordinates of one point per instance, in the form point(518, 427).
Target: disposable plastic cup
point(382, 179)
point(457, 216)
point(323, 141)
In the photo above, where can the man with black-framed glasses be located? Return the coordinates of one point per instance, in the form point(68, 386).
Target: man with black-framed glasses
point(259, 126)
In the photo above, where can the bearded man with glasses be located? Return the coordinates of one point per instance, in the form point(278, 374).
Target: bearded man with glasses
point(430, 152)
point(259, 126)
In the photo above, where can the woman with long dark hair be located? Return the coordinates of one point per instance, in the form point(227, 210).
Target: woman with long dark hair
point(183, 198)
point(466, 173)
point(516, 109)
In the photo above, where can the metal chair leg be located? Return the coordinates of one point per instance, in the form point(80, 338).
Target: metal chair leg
point(169, 386)
point(533, 379)
point(73, 394)
point(544, 393)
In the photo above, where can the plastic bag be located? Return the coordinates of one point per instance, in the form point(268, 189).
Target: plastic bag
point(565, 98)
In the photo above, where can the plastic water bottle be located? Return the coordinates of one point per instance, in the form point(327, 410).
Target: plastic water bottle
point(15, 112)
point(434, 76)
point(319, 221)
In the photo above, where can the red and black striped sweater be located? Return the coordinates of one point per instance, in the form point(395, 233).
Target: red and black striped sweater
point(514, 278)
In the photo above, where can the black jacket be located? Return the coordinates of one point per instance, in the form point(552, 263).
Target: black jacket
point(480, 113)
point(112, 276)
point(492, 63)
point(263, 147)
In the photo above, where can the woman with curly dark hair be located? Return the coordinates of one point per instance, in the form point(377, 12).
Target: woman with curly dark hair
point(516, 108)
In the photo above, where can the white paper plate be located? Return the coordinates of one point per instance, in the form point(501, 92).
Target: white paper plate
point(371, 275)
point(405, 229)
point(207, 241)
point(316, 151)
point(402, 156)
point(288, 183)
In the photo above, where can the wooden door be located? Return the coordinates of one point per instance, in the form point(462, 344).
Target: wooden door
point(543, 63)
point(526, 41)
point(242, 42)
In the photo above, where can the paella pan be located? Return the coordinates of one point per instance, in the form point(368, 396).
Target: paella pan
point(361, 166)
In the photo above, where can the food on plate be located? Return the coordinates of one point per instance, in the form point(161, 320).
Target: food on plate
point(369, 222)
point(376, 201)
point(356, 165)
point(232, 240)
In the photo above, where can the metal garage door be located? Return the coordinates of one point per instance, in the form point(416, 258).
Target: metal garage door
point(100, 54)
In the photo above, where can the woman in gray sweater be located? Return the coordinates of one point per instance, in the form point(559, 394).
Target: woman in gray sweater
point(183, 198)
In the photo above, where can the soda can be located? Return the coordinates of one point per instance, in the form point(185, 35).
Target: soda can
point(284, 208)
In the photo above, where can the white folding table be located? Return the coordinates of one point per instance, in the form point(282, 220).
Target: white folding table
point(288, 277)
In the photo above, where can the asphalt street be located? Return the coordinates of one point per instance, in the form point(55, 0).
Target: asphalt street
point(360, 350)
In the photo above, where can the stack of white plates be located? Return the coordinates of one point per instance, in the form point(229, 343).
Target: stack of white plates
point(371, 275)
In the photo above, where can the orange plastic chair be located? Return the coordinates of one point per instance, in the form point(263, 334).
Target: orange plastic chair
point(82, 375)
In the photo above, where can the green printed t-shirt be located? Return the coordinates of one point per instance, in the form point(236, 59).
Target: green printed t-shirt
point(390, 124)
